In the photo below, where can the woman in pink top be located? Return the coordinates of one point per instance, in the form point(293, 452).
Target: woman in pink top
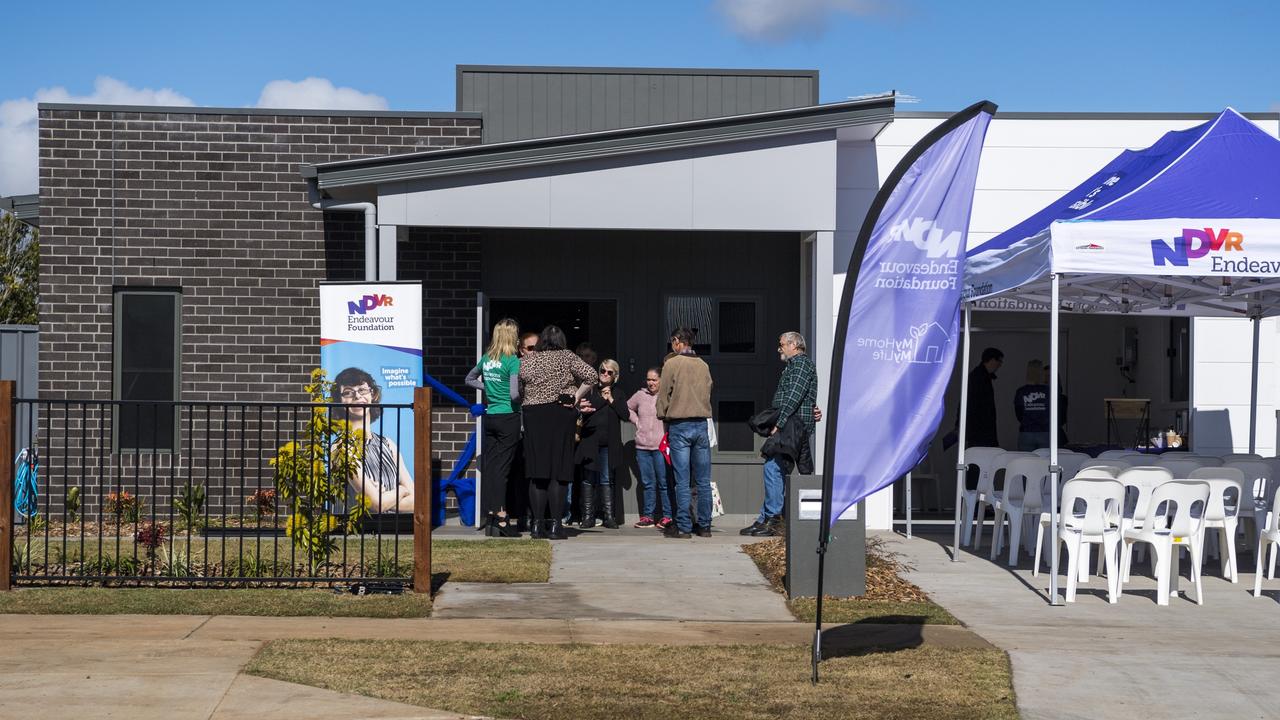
point(653, 466)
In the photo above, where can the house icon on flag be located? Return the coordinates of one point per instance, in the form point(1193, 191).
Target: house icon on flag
point(929, 340)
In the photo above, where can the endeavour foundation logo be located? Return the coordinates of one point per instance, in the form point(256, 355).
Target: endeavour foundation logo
point(923, 346)
point(1194, 244)
point(367, 303)
point(936, 241)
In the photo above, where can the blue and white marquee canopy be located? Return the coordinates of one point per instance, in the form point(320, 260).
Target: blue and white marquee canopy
point(1188, 226)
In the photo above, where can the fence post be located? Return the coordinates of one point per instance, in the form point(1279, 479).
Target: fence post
point(421, 490)
point(7, 388)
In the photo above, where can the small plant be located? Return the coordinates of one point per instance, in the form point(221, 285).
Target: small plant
point(126, 566)
point(123, 506)
point(263, 503)
point(151, 536)
point(311, 477)
point(21, 557)
point(190, 506)
point(37, 524)
point(175, 562)
point(72, 504)
point(249, 565)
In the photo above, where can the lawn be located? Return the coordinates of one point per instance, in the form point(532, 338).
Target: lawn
point(488, 561)
point(888, 599)
point(643, 682)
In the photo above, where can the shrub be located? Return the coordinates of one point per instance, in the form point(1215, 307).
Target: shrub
point(263, 503)
point(123, 506)
point(72, 504)
point(190, 506)
point(311, 477)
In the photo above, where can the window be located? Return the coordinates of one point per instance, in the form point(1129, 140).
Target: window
point(723, 326)
point(147, 350)
point(737, 326)
point(732, 431)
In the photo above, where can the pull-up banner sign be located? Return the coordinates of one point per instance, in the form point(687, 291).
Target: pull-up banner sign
point(896, 337)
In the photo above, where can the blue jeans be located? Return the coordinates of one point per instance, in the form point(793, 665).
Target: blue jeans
point(691, 456)
point(774, 487)
point(657, 484)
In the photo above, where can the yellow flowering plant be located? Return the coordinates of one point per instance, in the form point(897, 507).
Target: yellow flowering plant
point(311, 477)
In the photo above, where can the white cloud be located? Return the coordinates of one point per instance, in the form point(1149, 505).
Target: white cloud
point(317, 93)
point(19, 159)
point(783, 20)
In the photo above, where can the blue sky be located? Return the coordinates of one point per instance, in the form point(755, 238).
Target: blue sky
point(1081, 56)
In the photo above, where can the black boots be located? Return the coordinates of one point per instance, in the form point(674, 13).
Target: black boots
point(557, 530)
point(538, 529)
point(606, 507)
point(588, 493)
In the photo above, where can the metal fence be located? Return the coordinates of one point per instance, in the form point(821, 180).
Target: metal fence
point(188, 494)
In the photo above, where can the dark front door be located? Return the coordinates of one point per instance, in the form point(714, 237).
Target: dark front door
point(594, 322)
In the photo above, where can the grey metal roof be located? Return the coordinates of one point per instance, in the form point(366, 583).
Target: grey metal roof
point(610, 143)
point(25, 207)
point(192, 110)
point(526, 102)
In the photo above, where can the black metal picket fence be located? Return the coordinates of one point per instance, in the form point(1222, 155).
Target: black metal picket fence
point(186, 494)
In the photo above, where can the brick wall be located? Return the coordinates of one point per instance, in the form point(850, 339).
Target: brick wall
point(213, 202)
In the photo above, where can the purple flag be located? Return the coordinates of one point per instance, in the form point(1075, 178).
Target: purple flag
point(896, 337)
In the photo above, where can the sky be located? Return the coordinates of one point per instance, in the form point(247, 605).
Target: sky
point(1130, 56)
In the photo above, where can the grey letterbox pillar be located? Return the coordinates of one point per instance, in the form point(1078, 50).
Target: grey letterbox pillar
point(845, 572)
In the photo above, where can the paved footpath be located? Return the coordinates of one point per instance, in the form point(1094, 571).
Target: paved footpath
point(615, 587)
point(1135, 659)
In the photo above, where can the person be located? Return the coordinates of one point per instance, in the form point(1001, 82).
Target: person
point(528, 342)
point(552, 380)
point(684, 404)
point(1062, 406)
point(981, 417)
point(1031, 407)
point(655, 508)
point(600, 447)
point(384, 480)
point(588, 355)
point(795, 398)
point(497, 374)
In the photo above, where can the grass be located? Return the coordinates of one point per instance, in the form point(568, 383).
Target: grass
point(889, 598)
point(220, 601)
point(487, 561)
point(643, 682)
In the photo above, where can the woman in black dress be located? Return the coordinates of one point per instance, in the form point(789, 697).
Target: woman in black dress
point(553, 380)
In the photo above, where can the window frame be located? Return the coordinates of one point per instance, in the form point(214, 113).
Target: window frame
point(118, 296)
point(716, 299)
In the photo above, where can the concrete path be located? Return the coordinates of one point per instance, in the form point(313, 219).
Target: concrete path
point(1134, 659)
point(631, 574)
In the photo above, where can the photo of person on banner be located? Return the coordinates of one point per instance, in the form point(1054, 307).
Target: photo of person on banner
point(385, 480)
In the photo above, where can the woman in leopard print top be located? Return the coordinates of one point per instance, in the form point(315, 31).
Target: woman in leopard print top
point(548, 376)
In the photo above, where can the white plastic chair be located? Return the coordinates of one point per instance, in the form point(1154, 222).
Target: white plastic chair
point(1239, 457)
point(1181, 466)
point(1268, 538)
point(984, 459)
point(1225, 490)
point(1024, 487)
point(1071, 462)
point(1089, 518)
point(989, 493)
point(1109, 454)
point(1204, 460)
point(1093, 472)
point(1139, 482)
point(1174, 518)
point(1258, 490)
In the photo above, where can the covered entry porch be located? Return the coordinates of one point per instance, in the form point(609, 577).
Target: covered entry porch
point(732, 225)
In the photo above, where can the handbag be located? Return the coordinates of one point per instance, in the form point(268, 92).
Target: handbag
point(717, 507)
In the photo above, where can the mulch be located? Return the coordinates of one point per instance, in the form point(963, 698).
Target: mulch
point(884, 568)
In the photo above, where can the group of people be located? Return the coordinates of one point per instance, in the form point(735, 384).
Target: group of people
point(1030, 405)
point(553, 415)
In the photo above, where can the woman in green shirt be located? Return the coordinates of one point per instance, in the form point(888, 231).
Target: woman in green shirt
point(498, 375)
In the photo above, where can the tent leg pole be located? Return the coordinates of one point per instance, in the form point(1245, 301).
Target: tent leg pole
point(1054, 469)
point(1253, 395)
point(961, 469)
point(908, 494)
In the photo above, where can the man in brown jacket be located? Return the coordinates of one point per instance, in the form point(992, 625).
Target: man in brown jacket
point(684, 404)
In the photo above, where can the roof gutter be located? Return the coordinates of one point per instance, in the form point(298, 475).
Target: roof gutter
point(370, 211)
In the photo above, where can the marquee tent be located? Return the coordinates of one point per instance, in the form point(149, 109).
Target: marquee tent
point(1188, 226)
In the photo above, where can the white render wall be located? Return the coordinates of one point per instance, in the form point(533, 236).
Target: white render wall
point(1028, 163)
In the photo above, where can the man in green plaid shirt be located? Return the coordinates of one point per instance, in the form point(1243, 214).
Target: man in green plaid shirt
point(795, 399)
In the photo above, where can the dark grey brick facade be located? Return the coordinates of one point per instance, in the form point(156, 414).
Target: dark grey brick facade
point(213, 202)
